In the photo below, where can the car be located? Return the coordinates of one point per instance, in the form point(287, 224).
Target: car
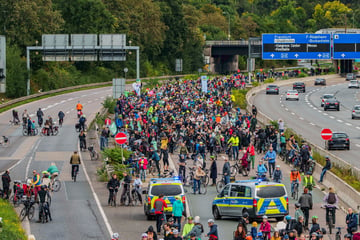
point(320, 81)
point(332, 103)
point(300, 86)
point(254, 197)
point(170, 187)
point(353, 84)
point(272, 89)
point(292, 95)
point(350, 76)
point(325, 97)
point(339, 140)
point(355, 113)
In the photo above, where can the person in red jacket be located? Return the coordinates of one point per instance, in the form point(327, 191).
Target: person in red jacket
point(265, 228)
point(251, 151)
point(143, 162)
point(159, 206)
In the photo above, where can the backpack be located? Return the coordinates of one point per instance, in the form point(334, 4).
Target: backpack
point(331, 198)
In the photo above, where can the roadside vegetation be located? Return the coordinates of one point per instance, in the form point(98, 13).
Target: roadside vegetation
point(11, 226)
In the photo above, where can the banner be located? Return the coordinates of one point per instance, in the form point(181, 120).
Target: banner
point(204, 85)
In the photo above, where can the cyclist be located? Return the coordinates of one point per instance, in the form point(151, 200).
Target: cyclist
point(294, 178)
point(79, 108)
point(36, 182)
point(25, 116)
point(113, 186)
point(306, 204)
point(75, 161)
point(115, 236)
point(82, 139)
point(82, 121)
point(309, 182)
point(126, 182)
point(234, 141)
point(29, 126)
point(331, 201)
point(45, 179)
point(61, 116)
point(40, 115)
point(51, 124)
point(44, 203)
point(137, 188)
point(54, 171)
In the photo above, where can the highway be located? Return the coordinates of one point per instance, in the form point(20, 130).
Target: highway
point(307, 118)
point(74, 211)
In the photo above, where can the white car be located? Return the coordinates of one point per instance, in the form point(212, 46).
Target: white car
point(292, 95)
point(353, 84)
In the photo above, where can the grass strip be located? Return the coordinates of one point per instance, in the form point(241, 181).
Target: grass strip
point(11, 226)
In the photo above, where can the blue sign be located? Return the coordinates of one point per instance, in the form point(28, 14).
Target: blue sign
point(296, 46)
point(346, 46)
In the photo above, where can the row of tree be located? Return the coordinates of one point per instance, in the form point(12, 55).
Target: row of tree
point(164, 29)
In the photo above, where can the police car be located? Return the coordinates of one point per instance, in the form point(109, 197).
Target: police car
point(170, 187)
point(255, 197)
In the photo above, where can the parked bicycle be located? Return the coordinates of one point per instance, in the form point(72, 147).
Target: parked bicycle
point(238, 168)
point(126, 198)
point(113, 197)
point(34, 132)
point(220, 184)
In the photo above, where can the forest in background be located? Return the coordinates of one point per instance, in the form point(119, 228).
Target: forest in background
point(164, 29)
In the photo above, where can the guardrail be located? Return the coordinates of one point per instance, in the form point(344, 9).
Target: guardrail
point(75, 87)
point(347, 194)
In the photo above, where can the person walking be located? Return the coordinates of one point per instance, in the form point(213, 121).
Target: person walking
point(270, 156)
point(143, 162)
point(325, 169)
point(177, 211)
point(199, 173)
point(306, 204)
point(159, 206)
point(213, 233)
point(213, 170)
point(351, 221)
point(277, 176)
point(113, 187)
point(6, 180)
point(226, 171)
point(298, 211)
point(251, 152)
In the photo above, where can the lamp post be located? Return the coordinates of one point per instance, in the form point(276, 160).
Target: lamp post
point(125, 71)
point(229, 31)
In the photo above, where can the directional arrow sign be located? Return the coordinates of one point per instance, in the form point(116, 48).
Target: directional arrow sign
point(326, 134)
point(120, 138)
point(343, 55)
point(296, 55)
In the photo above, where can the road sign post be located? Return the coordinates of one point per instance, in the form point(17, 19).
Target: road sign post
point(296, 46)
point(121, 138)
point(326, 134)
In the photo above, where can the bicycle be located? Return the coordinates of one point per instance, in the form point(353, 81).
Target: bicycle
point(126, 199)
point(152, 168)
point(330, 219)
point(295, 192)
point(34, 132)
point(113, 197)
point(82, 145)
point(28, 210)
point(93, 153)
point(238, 168)
point(55, 184)
point(135, 196)
point(203, 188)
point(338, 233)
point(44, 208)
point(61, 120)
point(15, 122)
point(5, 141)
point(75, 172)
point(220, 184)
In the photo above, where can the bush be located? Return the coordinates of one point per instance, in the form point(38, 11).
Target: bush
point(240, 98)
point(11, 225)
point(102, 173)
point(301, 75)
point(109, 103)
point(114, 154)
point(255, 84)
point(275, 124)
point(269, 80)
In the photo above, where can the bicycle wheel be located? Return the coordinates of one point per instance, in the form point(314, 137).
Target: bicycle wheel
point(187, 181)
point(203, 189)
point(127, 199)
point(23, 214)
point(135, 199)
point(337, 236)
point(75, 175)
point(36, 131)
point(24, 132)
point(94, 155)
point(43, 215)
point(56, 132)
point(220, 185)
point(330, 224)
point(296, 194)
point(56, 185)
point(233, 170)
point(206, 180)
point(31, 212)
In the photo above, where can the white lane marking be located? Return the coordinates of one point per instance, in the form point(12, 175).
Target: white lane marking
point(67, 112)
point(69, 99)
point(63, 101)
point(340, 120)
point(106, 221)
point(332, 117)
point(83, 95)
point(349, 124)
point(89, 101)
point(358, 128)
point(292, 113)
point(31, 158)
point(312, 124)
point(286, 109)
point(325, 114)
point(358, 145)
point(319, 111)
point(282, 105)
point(102, 97)
point(301, 118)
point(314, 108)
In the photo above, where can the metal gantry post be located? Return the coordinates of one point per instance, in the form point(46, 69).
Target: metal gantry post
point(28, 70)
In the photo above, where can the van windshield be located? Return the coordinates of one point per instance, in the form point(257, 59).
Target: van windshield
point(167, 190)
point(270, 191)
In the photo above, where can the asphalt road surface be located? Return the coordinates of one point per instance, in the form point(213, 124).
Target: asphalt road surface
point(74, 211)
point(307, 118)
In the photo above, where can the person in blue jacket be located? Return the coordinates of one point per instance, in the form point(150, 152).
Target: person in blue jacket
point(261, 169)
point(270, 156)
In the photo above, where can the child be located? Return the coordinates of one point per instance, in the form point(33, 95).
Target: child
point(254, 230)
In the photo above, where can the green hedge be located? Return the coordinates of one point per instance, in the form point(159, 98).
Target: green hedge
point(11, 224)
point(240, 98)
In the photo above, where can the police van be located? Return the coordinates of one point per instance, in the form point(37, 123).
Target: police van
point(170, 187)
point(255, 197)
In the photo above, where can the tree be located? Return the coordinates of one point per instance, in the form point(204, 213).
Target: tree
point(16, 74)
point(25, 21)
point(284, 16)
point(331, 14)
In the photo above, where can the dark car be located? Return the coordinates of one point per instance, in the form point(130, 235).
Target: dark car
point(326, 97)
point(350, 76)
point(272, 89)
point(339, 140)
point(320, 81)
point(332, 103)
point(299, 86)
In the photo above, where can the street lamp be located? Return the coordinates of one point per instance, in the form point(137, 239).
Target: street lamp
point(125, 71)
point(229, 35)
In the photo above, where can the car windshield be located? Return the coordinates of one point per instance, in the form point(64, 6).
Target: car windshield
point(167, 190)
point(320, 79)
point(328, 96)
point(332, 100)
point(299, 83)
point(339, 135)
point(354, 81)
point(270, 191)
point(292, 91)
point(357, 108)
point(272, 86)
